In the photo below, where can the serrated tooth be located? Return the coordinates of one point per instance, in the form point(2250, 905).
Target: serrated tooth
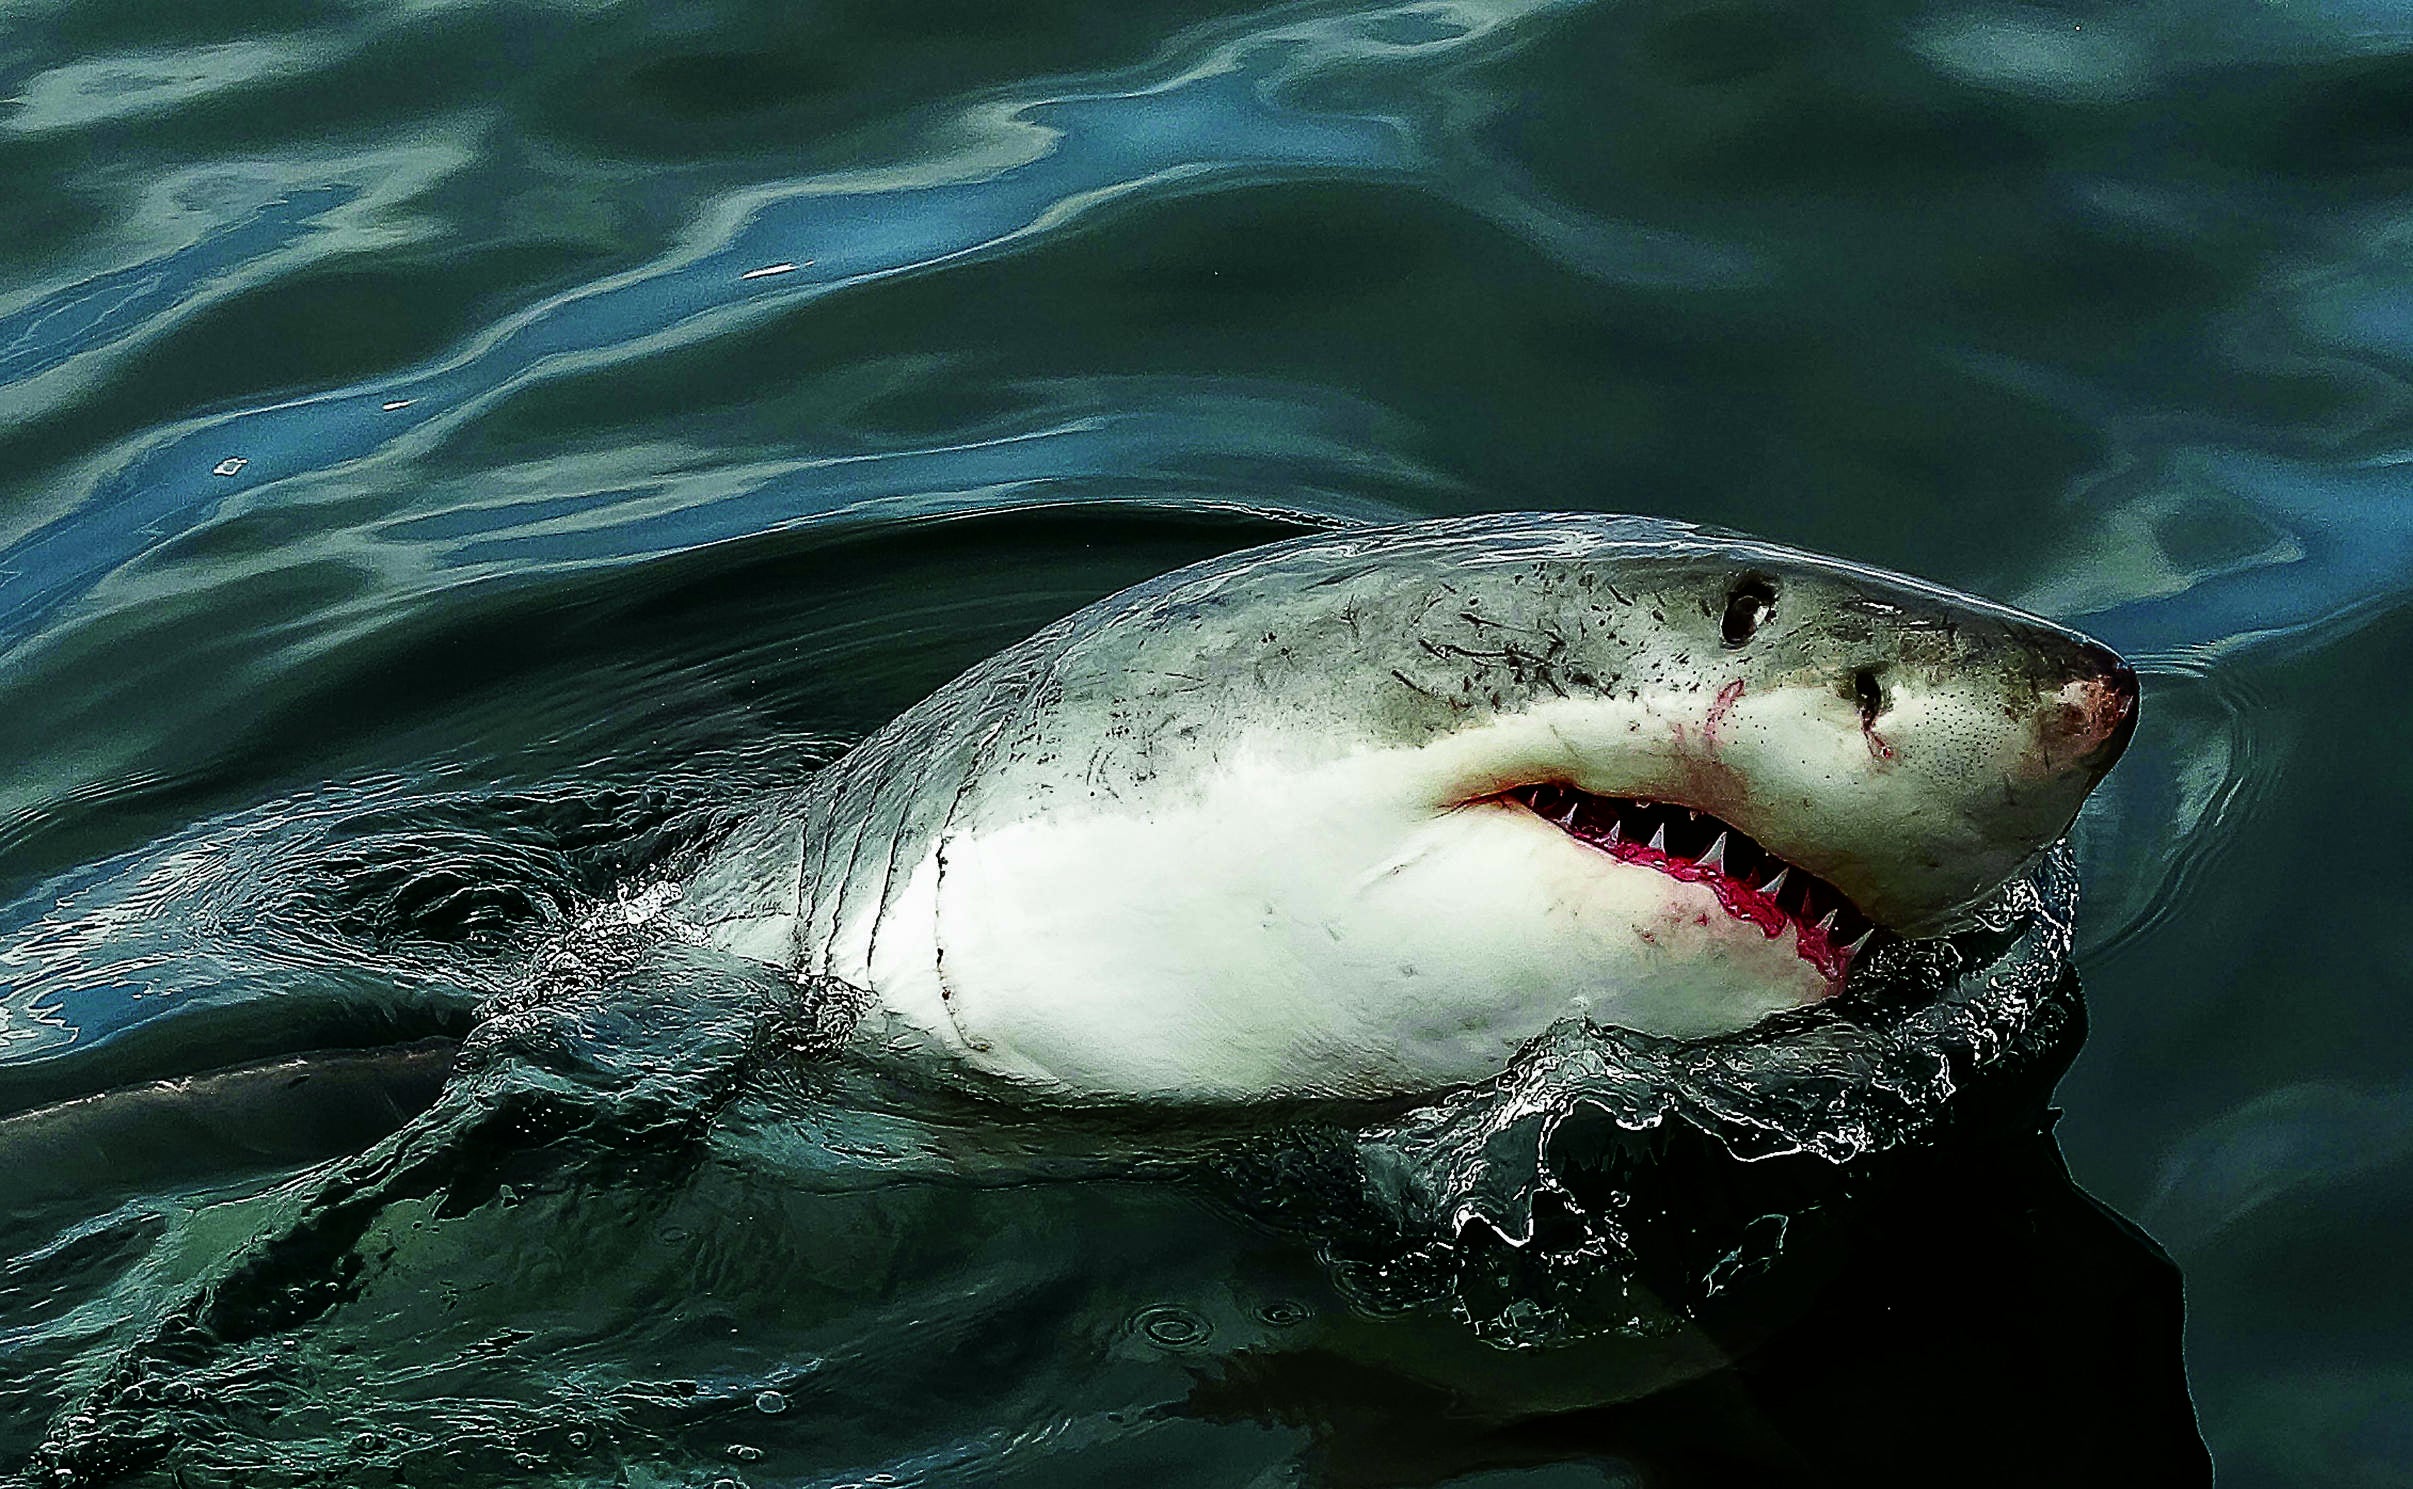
point(1659, 839)
point(1568, 821)
point(1826, 922)
point(1715, 858)
point(1772, 886)
point(1615, 837)
point(1854, 948)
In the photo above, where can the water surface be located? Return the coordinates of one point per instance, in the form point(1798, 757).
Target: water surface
point(445, 447)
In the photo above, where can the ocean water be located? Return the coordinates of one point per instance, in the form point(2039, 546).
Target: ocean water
point(451, 453)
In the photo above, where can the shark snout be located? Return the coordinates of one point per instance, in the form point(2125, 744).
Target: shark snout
point(2087, 723)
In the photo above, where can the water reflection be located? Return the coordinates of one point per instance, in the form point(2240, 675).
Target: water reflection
point(2228, 549)
point(2305, 1137)
point(1017, 168)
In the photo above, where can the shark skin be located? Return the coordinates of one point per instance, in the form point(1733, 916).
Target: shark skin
point(1358, 814)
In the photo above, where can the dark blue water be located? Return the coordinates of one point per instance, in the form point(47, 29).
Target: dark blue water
point(448, 450)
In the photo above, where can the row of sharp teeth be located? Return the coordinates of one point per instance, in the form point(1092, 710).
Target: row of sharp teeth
point(1543, 799)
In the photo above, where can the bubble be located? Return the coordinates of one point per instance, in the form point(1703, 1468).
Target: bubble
point(744, 1452)
point(1171, 1326)
point(770, 1403)
point(1283, 1313)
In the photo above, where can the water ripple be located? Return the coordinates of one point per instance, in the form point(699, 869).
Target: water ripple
point(1023, 168)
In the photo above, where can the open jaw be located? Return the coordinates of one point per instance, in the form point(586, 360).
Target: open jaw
point(1694, 847)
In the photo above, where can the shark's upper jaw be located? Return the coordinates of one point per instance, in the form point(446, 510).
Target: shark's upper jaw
point(1755, 886)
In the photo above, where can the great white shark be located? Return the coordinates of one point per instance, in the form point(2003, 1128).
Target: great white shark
point(1360, 813)
point(1364, 814)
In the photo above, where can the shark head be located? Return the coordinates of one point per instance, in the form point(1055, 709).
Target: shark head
point(1361, 813)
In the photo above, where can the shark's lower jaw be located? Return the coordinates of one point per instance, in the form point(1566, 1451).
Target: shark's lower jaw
point(1693, 847)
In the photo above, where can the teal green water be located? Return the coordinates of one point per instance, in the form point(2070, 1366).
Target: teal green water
point(444, 446)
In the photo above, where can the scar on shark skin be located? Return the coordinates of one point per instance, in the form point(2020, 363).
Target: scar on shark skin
point(1878, 749)
point(1728, 696)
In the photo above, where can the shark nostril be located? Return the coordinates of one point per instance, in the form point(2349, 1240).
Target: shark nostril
point(1869, 693)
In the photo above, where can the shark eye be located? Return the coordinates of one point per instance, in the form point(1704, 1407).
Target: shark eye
point(1748, 604)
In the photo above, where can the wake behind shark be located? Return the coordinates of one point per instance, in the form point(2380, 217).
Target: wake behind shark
point(1361, 813)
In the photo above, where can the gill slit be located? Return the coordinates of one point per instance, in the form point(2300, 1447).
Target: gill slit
point(976, 758)
point(843, 888)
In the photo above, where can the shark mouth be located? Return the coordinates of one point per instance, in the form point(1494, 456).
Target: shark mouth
point(1693, 847)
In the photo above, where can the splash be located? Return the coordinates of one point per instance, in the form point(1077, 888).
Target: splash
point(1613, 1183)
